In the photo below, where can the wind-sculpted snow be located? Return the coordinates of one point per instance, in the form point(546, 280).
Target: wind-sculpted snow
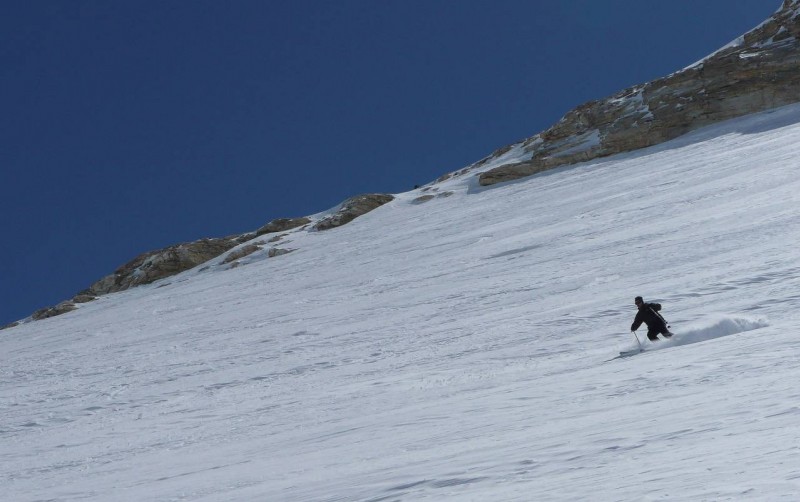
point(459, 349)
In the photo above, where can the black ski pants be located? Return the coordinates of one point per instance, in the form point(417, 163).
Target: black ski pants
point(652, 333)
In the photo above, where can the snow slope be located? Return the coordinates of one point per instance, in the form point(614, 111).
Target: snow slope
point(460, 349)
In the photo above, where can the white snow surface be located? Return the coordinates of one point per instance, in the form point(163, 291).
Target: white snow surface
point(461, 349)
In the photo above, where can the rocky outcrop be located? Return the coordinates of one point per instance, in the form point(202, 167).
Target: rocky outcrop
point(84, 298)
point(757, 72)
point(242, 252)
point(422, 199)
point(155, 265)
point(282, 225)
point(273, 252)
point(351, 209)
point(61, 308)
point(425, 198)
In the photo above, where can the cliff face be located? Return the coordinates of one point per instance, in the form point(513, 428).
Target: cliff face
point(759, 71)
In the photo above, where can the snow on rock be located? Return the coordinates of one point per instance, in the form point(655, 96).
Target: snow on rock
point(351, 209)
point(756, 72)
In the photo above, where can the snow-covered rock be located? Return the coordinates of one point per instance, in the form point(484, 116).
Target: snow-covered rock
point(757, 72)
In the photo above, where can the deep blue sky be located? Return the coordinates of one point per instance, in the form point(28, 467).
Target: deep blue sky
point(130, 126)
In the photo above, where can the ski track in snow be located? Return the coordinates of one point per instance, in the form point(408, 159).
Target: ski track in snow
point(452, 350)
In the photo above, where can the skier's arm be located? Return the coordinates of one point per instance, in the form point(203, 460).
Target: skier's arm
point(637, 321)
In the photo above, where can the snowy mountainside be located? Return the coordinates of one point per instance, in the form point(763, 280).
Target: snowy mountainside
point(467, 354)
point(754, 73)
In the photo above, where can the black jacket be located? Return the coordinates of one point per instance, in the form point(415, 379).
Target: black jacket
point(648, 314)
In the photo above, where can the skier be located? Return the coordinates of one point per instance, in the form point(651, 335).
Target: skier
point(648, 314)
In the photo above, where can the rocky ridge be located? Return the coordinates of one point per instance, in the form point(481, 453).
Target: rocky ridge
point(757, 72)
point(159, 264)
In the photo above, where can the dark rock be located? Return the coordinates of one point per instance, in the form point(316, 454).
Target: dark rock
point(241, 239)
point(425, 198)
point(352, 208)
point(61, 308)
point(83, 298)
point(282, 225)
point(152, 266)
point(242, 252)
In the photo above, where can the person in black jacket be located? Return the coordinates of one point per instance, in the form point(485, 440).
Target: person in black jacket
point(648, 314)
